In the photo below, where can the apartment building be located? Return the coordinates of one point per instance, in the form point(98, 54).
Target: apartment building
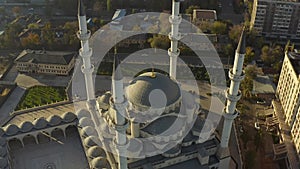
point(288, 92)
point(47, 62)
point(276, 18)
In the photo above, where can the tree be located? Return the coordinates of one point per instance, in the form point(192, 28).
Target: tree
point(191, 8)
point(251, 71)
point(205, 26)
point(16, 10)
point(247, 87)
point(253, 39)
point(247, 83)
point(235, 33)
point(159, 41)
point(2, 10)
point(219, 28)
point(70, 37)
point(271, 54)
point(228, 50)
point(48, 35)
point(249, 55)
point(32, 41)
point(33, 26)
point(11, 35)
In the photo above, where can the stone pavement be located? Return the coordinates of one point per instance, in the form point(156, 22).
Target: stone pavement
point(69, 155)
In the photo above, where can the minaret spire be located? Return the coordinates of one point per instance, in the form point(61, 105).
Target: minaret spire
point(174, 36)
point(85, 52)
point(233, 94)
point(81, 9)
point(119, 104)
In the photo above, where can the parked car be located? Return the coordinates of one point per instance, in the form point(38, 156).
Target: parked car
point(260, 101)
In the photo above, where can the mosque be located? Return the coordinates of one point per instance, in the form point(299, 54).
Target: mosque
point(136, 133)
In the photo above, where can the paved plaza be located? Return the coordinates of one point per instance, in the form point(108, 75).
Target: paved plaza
point(53, 155)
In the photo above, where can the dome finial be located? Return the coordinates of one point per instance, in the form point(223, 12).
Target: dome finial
point(153, 75)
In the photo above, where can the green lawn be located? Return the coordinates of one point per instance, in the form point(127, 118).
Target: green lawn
point(41, 95)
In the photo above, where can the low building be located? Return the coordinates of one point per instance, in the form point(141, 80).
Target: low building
point(200, 15)
point(48, 62)
point(264, 88)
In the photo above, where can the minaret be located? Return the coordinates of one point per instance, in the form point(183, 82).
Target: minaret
point(85, 52)
point(174, 36)
point(233, 94)
point(120, 123)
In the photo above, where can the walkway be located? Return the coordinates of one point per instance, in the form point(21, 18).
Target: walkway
point(292, 155)
point(11, 103)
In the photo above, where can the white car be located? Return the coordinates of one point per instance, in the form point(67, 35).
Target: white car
point(256, 125)
point(261, 102)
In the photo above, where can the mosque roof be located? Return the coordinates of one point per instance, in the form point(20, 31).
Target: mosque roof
point(140, 89)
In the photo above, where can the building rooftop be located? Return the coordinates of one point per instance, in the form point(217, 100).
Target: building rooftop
point(263, 84)
point(41, 112)
point(294, 57)
point(45, 57)
point(205, 14)
point(141, 88)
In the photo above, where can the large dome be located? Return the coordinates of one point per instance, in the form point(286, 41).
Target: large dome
point(142, 87)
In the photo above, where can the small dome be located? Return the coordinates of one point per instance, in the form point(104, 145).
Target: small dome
point(54, 120)
point(85, 121)
point(96, 151)
point(26, 126)
point(3, 151)
point(103, 101)
point(40, 123)
point(68, 117)
point(91, 141)
point(88, 131)
point(83, 113)
point(2, 141)
point(3, 162)
point(100, 162)
point(11, 129)
point(140, 89)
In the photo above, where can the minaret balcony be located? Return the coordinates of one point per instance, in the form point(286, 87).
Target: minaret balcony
point(234, 77)
point(229, 116)
point(87, 70)
point(176, 20)
point(84, 36)
point(119, 147)
point(233, 98)
point(120, 128)
point(173, 54)
point(86, 54)
point(175, 37)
